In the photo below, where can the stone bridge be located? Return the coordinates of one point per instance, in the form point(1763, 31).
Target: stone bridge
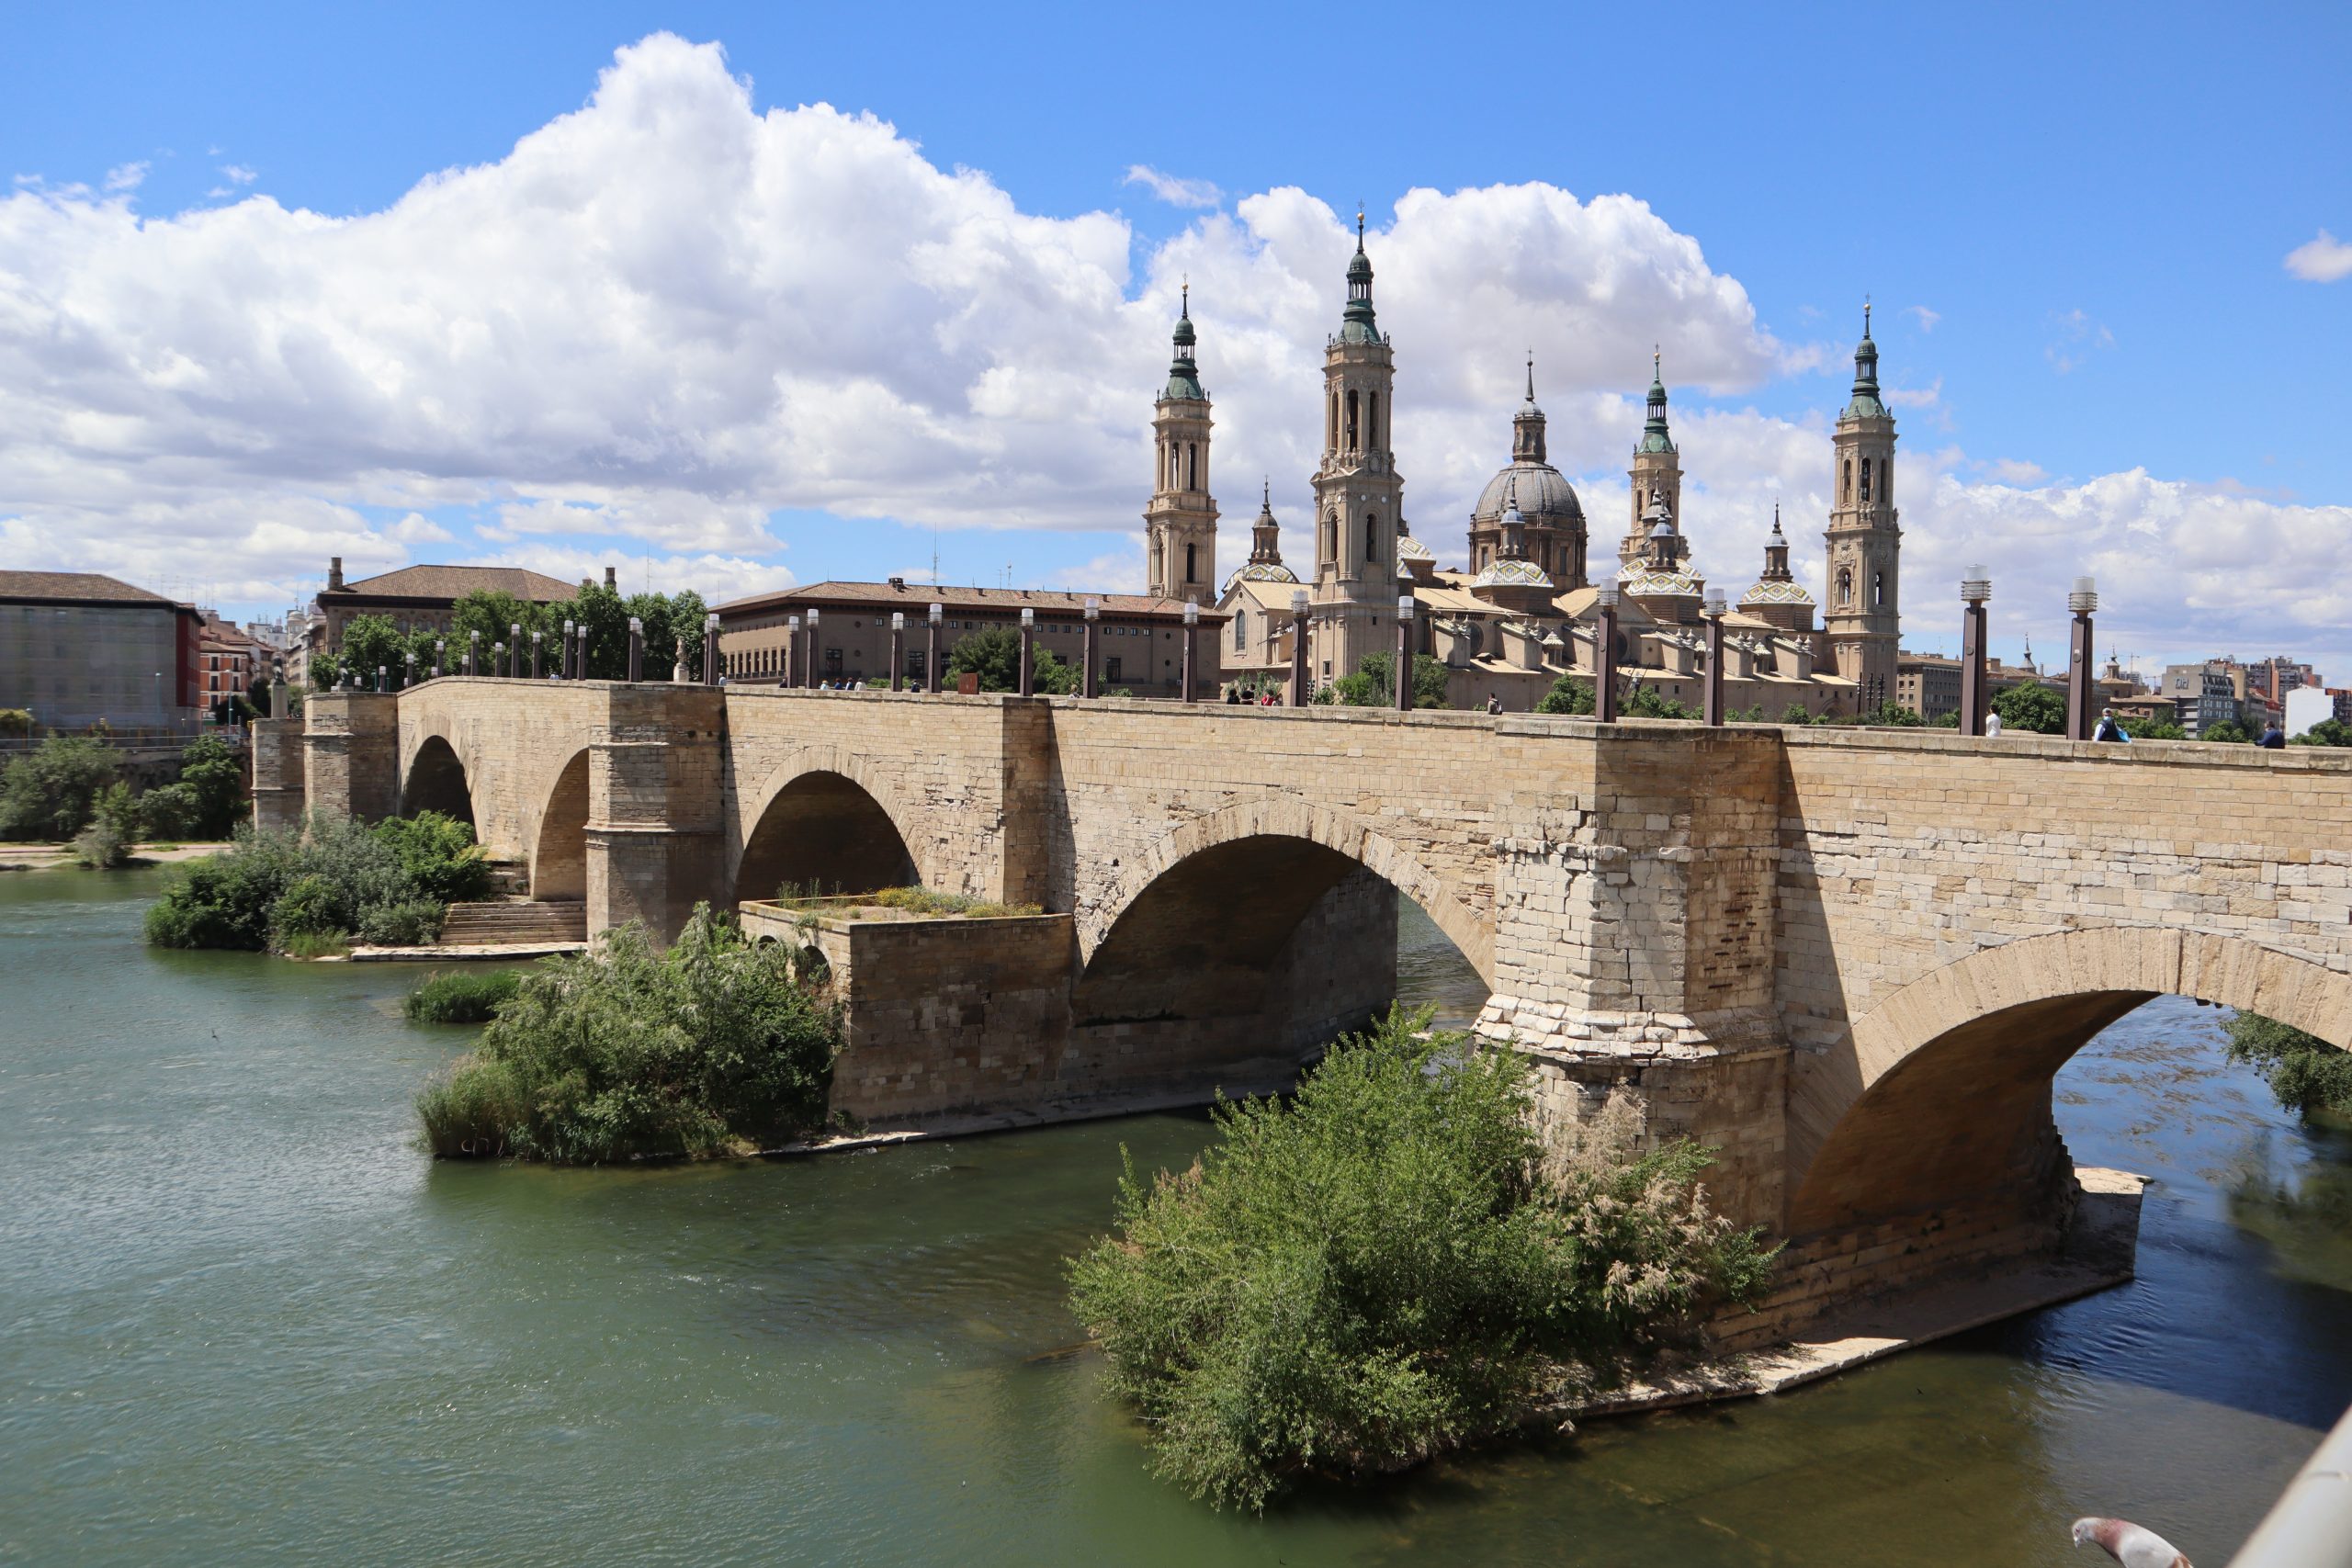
point(1853, 960)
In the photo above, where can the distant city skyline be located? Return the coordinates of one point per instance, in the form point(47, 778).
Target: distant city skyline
point(666, 318)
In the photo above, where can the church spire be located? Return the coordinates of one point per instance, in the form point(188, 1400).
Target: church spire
point(1356, 322)
point(1265, 534)
point(1184, 374)
point(1527, 425)
point(1655, 437)
point(1866, 404)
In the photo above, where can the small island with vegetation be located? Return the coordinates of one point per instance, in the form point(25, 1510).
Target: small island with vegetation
point(312, 891)
point(718, 1046)
point(1395, 1263)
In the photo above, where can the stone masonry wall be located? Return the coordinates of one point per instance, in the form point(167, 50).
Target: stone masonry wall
point(278, 764)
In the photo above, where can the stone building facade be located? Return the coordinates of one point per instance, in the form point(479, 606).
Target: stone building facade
point(1180, 525)
point(1359, 496)
point(77, 648)
point(1863, 607)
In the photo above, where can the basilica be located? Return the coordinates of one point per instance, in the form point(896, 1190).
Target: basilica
point(1525, 608)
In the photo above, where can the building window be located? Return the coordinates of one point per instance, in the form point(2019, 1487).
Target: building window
point(1190, 552)
point(1371, 537)
point(1846, 491)
point(1191, 465)
point(1845, 585)
point(1241, 629)
point(1878, 579)
point(1866, 481)
point(1111, 671)
point(1371, 422)
point(1352, 422)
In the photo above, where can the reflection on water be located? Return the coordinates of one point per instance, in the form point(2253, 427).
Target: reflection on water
point(245, 1319)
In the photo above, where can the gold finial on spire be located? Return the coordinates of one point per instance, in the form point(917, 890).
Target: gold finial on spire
point(1186, 308)
point(1866, 315)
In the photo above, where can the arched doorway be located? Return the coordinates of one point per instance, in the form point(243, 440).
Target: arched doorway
point(823, 832)
point(559, 860)
point(436, 782)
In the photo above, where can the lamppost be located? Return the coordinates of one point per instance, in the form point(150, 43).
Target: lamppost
point(1028, 650)
point(408, 669)
point(932, 620)
point(513, 648)
point(564, 662)
point(440, 655)
point(1298, 648)
point(1086, 683)
point(635, 649)
point(2082, 601)
point(791, 672)
point(1714, 611)
point(535, 654)
point(1975, 590)
point(898, 649)
point(1604, 653)
point(1191, 638)
point(808, 665)
point(1404, 653)
point(711, 655)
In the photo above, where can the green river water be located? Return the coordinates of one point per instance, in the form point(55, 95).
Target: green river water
point(244, 1320)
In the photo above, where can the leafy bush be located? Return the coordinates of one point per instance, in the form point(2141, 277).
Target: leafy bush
point(333, 876)
point(1569, 694)
point(2229, 732)
point(52, 791)
point(915, 901)
point(102, 847)
point(1647, 701)
point(15, 721)
point(993, 653)
point(311, 906)
point(2031, 707)
point(1373, 684)
point(1394, 1265)
point(2304, 1072)
point(461, 995)
point(169, 812)
point(626, 1051)
point(1796, 713)
point(412, 923)
point(2327, 732)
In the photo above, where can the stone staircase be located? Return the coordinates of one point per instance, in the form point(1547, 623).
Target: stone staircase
point(510, 879)
point(515, 922)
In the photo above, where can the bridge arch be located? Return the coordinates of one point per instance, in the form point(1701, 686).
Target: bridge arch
point(1941, 1092)
point(438, 778)
point(1287, 817)
point(825, 817)
point(1203, 923)
point(560, 846)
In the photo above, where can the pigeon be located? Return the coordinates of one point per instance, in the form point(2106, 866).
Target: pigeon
point(2130, 1544)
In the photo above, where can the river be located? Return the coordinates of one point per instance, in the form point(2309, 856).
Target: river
point(246, 1320)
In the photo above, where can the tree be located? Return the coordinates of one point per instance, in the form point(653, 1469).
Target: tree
point(1949, 720)
point(1646, 702)
point(2327, 732)
point(993, 653)
point(1373, 684)
point(216, 784)
point(491, 612)
point(2229, 732)
point(1569, 694)
point(2304, 1072)
point(2031, 707)
point(2152, 729)
point(1892, 715)
point(1796, 713)
point(52, 792)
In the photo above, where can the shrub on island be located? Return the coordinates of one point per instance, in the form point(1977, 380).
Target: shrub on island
point(321, 885)
point(716, 1046)
point(1393, 1264)
point(461, 995)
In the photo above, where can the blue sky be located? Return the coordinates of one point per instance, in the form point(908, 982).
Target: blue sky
point(2076, 225)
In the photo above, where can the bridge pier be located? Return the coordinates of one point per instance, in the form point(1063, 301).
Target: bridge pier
point(279, 765)
point(655, 808)
point(351, 754)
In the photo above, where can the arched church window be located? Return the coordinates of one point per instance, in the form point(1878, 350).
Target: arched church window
point(1190, 560)
point(1331, 421)
point(1845, 585)
point(1352, 444)
point(1371, 537)
point(1878, 587)
point(1191, 465)
point(1846, 491)
point(1371, 422)
point(1241, 629)
point(1331, 537)
point(1866, 481)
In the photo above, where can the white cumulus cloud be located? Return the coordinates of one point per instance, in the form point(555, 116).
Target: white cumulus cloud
point(1171, 189)
point(2322, 260)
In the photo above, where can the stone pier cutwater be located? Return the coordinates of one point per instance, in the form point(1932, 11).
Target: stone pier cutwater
point(1851, 960)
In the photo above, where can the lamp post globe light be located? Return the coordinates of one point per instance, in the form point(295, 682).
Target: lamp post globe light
point(1298, 648)
point(898, 649)
point(1975, 592)
point(2082, 601)
point(1191, 638)
point(1715, 609)
point(1028, 651)
point(1404, 670)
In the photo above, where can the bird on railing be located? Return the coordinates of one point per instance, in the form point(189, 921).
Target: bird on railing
point(2132, 1545)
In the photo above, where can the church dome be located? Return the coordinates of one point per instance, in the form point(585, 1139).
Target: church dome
point(1545, 499)
point(1662, 585)
point(1410, 548)
point(1263, 572)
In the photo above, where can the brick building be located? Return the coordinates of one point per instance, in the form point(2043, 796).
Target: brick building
point(77, 648)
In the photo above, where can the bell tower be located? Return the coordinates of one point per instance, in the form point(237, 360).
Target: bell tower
point(1180, 525)
point(1861, 615)
point(1359, 500)
point(1656, 474)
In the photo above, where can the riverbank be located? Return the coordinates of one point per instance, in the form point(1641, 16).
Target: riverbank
point(50, 857)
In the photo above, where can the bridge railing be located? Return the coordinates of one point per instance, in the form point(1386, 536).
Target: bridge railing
point(2311, 1525)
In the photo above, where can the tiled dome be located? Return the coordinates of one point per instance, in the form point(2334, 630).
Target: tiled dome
point(1662, 584)
point(1782, 592)
point(1545, 499)
point(1264, 571)
point(1506, 571)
